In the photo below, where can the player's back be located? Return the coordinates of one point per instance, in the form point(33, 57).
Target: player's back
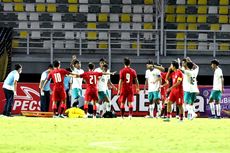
point(91, 79)
point(127, 76)
point(58, 76)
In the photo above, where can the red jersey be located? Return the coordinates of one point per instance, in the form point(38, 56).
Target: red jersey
point(177, 75)
point(91, 79)
point(58, 76)
point(127, 75)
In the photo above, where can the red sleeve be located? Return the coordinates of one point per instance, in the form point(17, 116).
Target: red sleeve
point(134, 74)
point(99, 74)
point(83, 75)
point(65, 72)
point(121, 75)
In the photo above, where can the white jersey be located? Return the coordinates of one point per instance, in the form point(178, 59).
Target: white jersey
point(103, 81)
point(217, 81)
point(191, 76)
point(77, 82)
point(186, 81)
point(153, 80)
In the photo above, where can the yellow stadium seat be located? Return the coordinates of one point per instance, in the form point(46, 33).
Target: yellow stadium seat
point(169, 9)
point(7, 1)
point(181, 26)
point(103, 17)
point(51, 8)
point(103, 45)
point(224, 2)
point(202, 2)
point(202, 10)
point(15, 43)
point(224, 47)
point(180, 9)
point(23, 34)
point(202, 19)
point(191, 2)
point(91, 35)
point(223, 19)
point(72, 1)
point(223, 10)
point(125, 18)
point(170, 18)
point(148, 26)
point(180, 45)
point(19, 7)
point(40, 8)
point(18, 1)
point(73, 8)
point(192, 27)
point(148, 2)
point(180, 18)
point(192, 46)
point(134, 45)
point(180, 36)
point(191, 19)
point(215, 27)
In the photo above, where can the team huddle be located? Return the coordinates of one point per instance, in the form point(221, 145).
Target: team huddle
point(166, 86)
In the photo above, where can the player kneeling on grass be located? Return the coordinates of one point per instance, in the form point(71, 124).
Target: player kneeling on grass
point(153, 80)
point(75, 112)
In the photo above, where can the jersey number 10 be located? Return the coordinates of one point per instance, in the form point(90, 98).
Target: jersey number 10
point(57, 77)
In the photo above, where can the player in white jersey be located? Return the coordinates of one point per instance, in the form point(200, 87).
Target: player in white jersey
point(153, 80)
point(10, 89)
point(191, 88)
point(103, 91)
point(218, 89)
point(76, 84)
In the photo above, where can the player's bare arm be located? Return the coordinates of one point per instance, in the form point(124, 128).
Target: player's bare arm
point(222, 82)
point(161, 68)
point(112, 85)
point(175, 85)
point(146, 85)
point(137, 84)
point(119, 86)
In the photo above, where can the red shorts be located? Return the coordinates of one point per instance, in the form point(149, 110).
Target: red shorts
point(91, 96)
point(58, 94)
point(128, 96)
point(177, 97)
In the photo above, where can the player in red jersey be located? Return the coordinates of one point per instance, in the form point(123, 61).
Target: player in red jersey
point(176, 94)
point(125, 87)
point(91, 77)
point(59, 94)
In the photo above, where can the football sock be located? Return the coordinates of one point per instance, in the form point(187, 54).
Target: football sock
point(54, 107)
point(94, 110)
point(218, 109)
point(151, 109)
point(181, 117)
point(212, 107)
point(86, 108)
point(63, 106)
point(122, 110)
point(130, 110)
point(108, 106)
point(168, 115)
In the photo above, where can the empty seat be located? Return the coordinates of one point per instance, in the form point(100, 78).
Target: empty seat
point(136, 26)
point(126, 9)
point(45, 17)
point(225, 27)
point(202, 19)
point(105, 9)
point(103, 17)
point(103, 36)
point(40, 1)
point(223, 19)
point(103, 25)
point(114, 26)
point(148, 35)
point(73, 8)
point(70, 44)
point(125, 18)
point(224, 2)
point(170, 9)
point(125, 45)
point(114, 17)
point(91, 35)
point(80, 17)
point(30, 7)
point(69, 35)
point(215, 27)
point(103, 45)
point(105, 1)
point(137, 18)
point(180, 36)
point(22, 16)
point(57, 25)
point(91, 17)
point(202, 2)
point(80, 35)
point(8, 7)
point(125, 35)
point(126, 1)
point(191, 2)
point(18, 7)
point(212, 19)
point(51, 8)
point(148, 18)
point(212, 10)
point(115, 9)
point(223, 10)
point(33, 16)
point(94, 9)
point(148, 2)
point(191, 10)
point(148, 9)
point(59, 44)
point(180, 18)
point(83, 1)
point(180, 9)
point(204, 27)
point(46, 25)
point(72, 1)
point(180, 45)
point(7, 1)
point(170, 18)
point(56, 17)
point(83, 8)
point(203, 37)
point(137, 9)
point(202, 10)
point(23, 25)
point(92, 45)
point(40, 8)
point(35, 34)
point(213, 2)
point(62, 8)
point(202, 46)
point(191, 19)
point(180, 2)
point(94, 1)
point(192, 27)
point(224, 46)
point(51, 1)
point(181, 26)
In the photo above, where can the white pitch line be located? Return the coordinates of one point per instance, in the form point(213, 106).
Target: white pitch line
point(108, 144)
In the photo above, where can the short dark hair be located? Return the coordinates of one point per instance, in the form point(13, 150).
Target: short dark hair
point(184, 60)
point(150, 62)
point(75, 103)
point(105, 66)
point(56, 63)
point(50, 66)
point(76, 62)
point(91, 66)
point(17, 66)
point(189, 65)
point(102, 60)
point(175, 64)
point(166, 69)
point(215, 61)
point(127, 61)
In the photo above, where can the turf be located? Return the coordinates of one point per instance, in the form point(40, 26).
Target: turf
point(139, 135)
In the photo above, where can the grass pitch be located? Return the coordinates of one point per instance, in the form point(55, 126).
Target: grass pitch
point(139, 135)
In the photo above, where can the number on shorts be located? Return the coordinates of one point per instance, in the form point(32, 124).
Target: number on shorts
point(127, 77)
point(92, 79)
point(57, 77)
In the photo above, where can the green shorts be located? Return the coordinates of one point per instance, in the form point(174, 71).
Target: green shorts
point(154, 95)
point(103, 94)
point(189, 97)
point(76, 93)
point(216, 95)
